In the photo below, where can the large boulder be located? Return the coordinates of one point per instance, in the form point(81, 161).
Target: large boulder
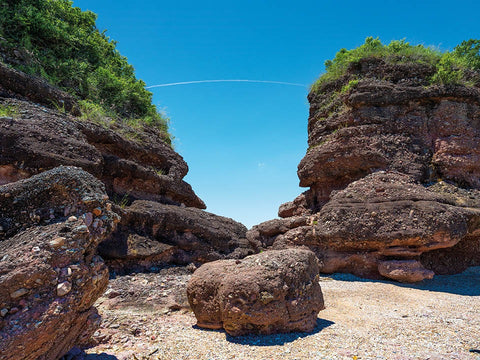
point(274, 291)
point(50, 276)
point(152, 234)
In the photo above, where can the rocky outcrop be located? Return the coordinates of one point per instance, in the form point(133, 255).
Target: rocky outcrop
point(49, 274)
point(145, 167)
point(393, 168)
point(151, 234)
point(270, 292)
point(18, 84)
point(134, 165)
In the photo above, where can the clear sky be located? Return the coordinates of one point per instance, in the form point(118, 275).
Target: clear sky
point(243, 141)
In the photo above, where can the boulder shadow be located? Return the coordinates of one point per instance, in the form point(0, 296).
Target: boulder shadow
point(273, 339)
point(77, 354)
point(465, 283)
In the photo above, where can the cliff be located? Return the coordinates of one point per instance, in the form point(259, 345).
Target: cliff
point(393, 171)
point(73, 187)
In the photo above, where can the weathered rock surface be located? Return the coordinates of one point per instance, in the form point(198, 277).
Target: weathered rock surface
point(18, 84)
point(151, 234)
point(274, 291)
point(424, 207)
point(133, 164)
point(404, 270)
point(49, 273)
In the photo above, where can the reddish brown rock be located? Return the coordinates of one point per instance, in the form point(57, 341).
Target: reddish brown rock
point(17, 83)
point(407, 271)
point(393, 168)
point(274, 291)
point(151, 234)
point(49, 274)
point(132, 164)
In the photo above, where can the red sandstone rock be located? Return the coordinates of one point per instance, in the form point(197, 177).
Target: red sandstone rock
point(407, 271)
point(274, 291)
point(151, 234)
point(49, 274)
point(392, 121)
point(39, 139)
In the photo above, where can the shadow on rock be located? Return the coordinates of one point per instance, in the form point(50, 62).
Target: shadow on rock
point(273, 339)
point(465, 284)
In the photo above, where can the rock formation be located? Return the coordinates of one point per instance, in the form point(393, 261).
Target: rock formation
point(393, 167)
point(270, 292)
point(49, 274)
point(151, 233)
point(133, 165)
point(52, 218)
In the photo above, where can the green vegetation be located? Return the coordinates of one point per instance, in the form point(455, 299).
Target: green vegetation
point(66, 48)
point(451, 66)
point(352, 84)
point(8, 110)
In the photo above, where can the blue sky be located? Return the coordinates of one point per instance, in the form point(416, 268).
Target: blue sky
point(243, 141)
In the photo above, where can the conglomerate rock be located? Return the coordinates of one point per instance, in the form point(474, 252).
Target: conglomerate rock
point(355, 215)
point(50, 276)
point(274, 291)
point(151, 234)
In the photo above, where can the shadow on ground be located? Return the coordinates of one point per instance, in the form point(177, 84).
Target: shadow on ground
point(274, 339)
point(466, 283)
point(77, 354)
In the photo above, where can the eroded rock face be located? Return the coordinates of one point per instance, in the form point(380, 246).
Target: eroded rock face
point(274, 291)
point(49, 273)
point(151, 234)
point(131, 164)
point(393, 168)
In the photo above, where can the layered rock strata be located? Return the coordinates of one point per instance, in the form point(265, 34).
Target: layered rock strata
point(393, 167)
point(133, 165)
point(151, 234)
point(50, 276)
point(270, 292)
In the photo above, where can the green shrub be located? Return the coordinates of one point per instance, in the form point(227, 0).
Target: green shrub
point(8, 110)
point(469, 52)
point(352, 84)
point(448, 70)
point(70, 52)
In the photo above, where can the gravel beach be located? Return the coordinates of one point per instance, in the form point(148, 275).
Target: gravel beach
point(363, 319)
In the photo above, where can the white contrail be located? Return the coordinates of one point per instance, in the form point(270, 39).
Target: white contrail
point(225, 80)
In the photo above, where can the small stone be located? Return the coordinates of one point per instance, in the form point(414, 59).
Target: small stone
point(57, 242)
point(88, 219)
point(14, 310)
point(3, 312)
point(39, 281)
point(64, 288)
point(18, 293)
point(7, 195)
point(72, 219)
point(1, 228)
point(81, 229)
point(97, 211)
point(35, 249)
